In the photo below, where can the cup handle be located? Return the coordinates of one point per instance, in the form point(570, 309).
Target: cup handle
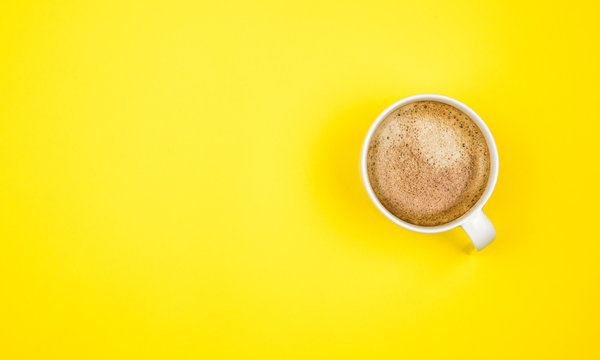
point(480, 229)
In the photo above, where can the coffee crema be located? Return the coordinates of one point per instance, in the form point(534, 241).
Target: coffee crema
point(428, 163)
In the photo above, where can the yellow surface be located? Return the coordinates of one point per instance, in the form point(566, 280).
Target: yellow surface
point(180, 180)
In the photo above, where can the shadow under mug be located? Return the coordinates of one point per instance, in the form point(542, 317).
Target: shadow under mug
point(474, 222)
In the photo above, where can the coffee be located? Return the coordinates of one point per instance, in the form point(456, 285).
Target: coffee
point(428, 163)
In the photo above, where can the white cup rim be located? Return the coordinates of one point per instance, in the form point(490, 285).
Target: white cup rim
point(493, 151)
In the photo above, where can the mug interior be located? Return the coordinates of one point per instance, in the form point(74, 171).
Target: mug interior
point(491, 144)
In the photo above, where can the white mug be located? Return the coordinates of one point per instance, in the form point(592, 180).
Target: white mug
point(474, 222)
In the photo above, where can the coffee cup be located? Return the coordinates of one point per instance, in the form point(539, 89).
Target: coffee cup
point(475, 223)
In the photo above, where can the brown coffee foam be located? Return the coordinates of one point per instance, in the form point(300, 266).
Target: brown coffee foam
point(428, 163)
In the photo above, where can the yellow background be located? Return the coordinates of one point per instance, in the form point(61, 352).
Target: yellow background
point(180, 180)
